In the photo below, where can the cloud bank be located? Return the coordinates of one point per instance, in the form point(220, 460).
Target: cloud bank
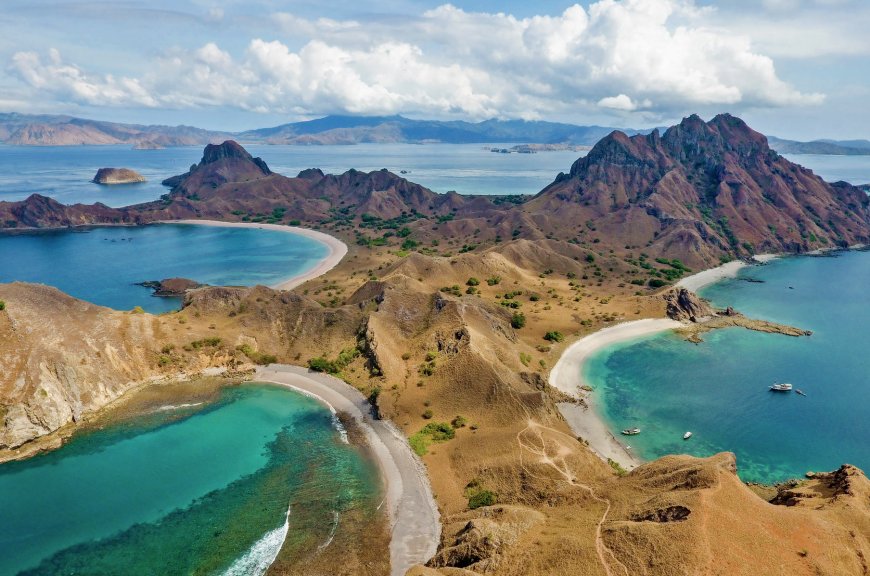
point(654, 57)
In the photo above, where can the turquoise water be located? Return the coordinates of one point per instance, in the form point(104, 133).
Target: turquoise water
point(186, 490)
point(102, 265)
point(719, 389)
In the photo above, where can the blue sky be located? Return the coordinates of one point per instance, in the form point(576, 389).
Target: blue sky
point(793, 68)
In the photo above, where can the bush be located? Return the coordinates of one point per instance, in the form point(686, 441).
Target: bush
point(657, 283)
point(482, 498)
point(2, 305)
point(493, 280)
point(205, 342)
point(518, 320)
point(321, 364)
point(458, 422)
point(472, 281)
point(428, 414)
point(554, 336)
point(439, 431)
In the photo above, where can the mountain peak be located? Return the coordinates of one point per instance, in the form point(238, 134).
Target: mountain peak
point(229, 150)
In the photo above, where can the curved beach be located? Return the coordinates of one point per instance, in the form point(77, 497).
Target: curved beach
point(566, 375)
point(414, 517)
point(337, 248)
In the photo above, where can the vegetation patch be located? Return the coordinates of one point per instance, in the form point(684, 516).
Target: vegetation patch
point(256, 356)
point(323, 364)
point(432, 432)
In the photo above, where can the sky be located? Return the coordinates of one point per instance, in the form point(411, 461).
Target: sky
point(791, 68)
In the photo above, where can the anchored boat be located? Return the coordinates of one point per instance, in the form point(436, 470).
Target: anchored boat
point(687, 435)
point(781, 387)
point(631, 431)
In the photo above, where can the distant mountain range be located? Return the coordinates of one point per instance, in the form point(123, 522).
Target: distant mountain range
point(46, 130)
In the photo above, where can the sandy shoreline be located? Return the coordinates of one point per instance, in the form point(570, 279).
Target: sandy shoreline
point(414, 517)
point(566, 375)
point(337, 248)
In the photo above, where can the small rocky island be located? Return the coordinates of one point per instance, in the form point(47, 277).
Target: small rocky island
point(171, 287)
point(117, 176)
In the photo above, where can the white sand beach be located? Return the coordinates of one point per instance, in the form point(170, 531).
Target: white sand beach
point(414, 517)
point(703, 279)
point(566, 376)
point(337, 248)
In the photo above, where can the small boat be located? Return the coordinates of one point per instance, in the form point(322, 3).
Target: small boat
point(687, 435)
point(631, 431)
point(781, 387)
point(801, 392)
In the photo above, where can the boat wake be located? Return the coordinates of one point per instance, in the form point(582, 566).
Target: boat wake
point(262, 554)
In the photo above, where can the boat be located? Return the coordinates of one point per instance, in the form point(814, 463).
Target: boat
point(687, 435)
point(631, 431)
point(777, 387)
point(801, 392)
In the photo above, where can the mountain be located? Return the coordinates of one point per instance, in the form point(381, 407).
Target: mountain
point(46, 130)
point(824, 147)
point(699, 192)
point(353, 129)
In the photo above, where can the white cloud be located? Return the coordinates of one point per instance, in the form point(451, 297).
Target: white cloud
point(658, 56)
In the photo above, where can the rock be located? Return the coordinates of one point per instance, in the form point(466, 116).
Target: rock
point(117, 176)
point(148, 145)
point(686, 306)
point(171, 286)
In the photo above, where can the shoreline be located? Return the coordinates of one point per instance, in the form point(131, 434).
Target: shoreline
point(567, 374)
point(337, 248)
point(412, 511)
point(567, 377)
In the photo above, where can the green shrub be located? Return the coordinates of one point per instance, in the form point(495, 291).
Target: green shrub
point(2, 305)
point(518, 320)
point(657, 283)
point(482, 498)
point(493, 280)
point(439, 431)
point(205, 342)
point(428, 414)
point(554, 336)
point(321, 364)
point(458, 422)
point(472, 281)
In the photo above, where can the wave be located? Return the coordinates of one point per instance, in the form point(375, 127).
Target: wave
point(256, 561)
point(169, 407)
point(332, 531)
point(336, 423)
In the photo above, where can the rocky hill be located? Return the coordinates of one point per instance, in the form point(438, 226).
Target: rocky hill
point(699, 192)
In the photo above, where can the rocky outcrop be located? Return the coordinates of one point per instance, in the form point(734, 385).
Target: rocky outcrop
point(171, 286)
point(687, 306)
point(117, 176)
point(39, 211)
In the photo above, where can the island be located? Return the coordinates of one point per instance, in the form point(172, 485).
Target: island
point(117, 176)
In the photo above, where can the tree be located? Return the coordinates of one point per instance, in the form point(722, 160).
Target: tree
point(554, 336)
point(518, 320)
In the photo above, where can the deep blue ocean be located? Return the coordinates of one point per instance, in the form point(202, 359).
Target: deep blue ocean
point(719, 389)
point(103, 264)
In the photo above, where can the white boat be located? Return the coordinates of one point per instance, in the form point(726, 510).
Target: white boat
point(781, 387)
point(631, 431)
point(687, 435)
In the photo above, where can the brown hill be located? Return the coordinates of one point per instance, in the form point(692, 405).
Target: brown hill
point(697, 192)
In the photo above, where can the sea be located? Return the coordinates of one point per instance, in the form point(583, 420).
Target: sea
point(213, 488)
point(720, 389)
